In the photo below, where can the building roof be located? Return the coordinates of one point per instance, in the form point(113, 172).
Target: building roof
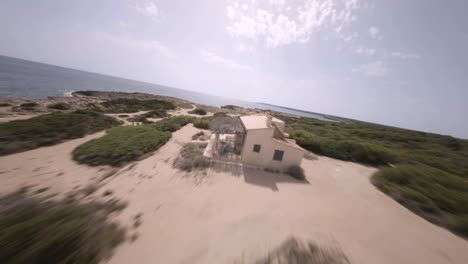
point(254, 121)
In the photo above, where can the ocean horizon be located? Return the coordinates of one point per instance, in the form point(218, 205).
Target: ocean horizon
point(21, 78)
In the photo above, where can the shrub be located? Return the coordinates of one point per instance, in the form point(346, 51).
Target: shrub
point(4, 104)
point(173, 123)
point(59, 106)
point(296, 172)
point(201, 123)
point(35, 230)
point(123, 116)
point(431, 192)
point(299, 252)
point(156, 113)
point(191, 158)
point(198, 111)
point(198, 135)
point(123, 105)
point(29, 104)
point(120, 144)
point(21, 135)
point(217, 114)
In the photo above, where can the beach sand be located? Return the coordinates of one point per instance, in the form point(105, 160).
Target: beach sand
point(223, 217)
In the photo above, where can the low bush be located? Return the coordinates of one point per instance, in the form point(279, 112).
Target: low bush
point(300, 252)
point(434, 194)
point(191, 158)
point(123, 116)
point(35, 230)
point(59, 106)
point(173, 123)
point(21, 135)
point(4, 104)
point(120, 144)
point(29, 104)
point(156, 114)
point(296, 172)
point(198, 135)
point(201, 123)
point(122, 105)
point(220, 114)
point(198, 111)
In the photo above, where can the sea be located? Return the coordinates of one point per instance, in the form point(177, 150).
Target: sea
point(31, 80)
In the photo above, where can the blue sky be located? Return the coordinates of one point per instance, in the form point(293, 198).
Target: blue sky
point(401, 63)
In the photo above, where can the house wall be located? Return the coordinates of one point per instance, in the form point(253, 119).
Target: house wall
point(263, 137)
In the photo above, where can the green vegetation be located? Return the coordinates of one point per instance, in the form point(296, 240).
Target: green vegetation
point(151, 114)
point(191, 158)
point(439, 196)
point(29, 104)
point(198, 111)
point(59, 106)
point(36, 230)
point(21, 135)
point(431, 170)
point(173, 123)
point(219, 114)
point(199, 135)
point(120, 144)
point(122, 105)
point(201, 123)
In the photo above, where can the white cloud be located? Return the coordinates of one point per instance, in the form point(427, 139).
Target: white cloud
point(147, 8)
point(405, 56)
point(152, 47)
point(374, 33)
point(216, 59)
point(276, 27)
point(373, 69)
point(365, 51)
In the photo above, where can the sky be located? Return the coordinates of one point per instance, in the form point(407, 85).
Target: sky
point(400, 63)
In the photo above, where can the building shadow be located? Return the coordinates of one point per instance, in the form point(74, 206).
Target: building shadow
point(268, 179)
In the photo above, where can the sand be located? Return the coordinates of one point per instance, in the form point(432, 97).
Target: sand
point(220, 217)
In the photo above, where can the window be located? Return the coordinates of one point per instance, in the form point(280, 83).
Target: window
point(257, 148)
point(278, 155)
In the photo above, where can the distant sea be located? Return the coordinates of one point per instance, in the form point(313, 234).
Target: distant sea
point(27, 79)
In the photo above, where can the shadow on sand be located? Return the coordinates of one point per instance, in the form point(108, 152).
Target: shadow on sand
point(267, 179)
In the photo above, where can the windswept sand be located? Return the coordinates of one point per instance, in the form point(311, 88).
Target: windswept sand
point(224, 218)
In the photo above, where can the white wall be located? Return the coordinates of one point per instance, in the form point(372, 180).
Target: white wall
point(263, 137)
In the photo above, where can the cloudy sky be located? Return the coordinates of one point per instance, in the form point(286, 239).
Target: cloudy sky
point(402, 63)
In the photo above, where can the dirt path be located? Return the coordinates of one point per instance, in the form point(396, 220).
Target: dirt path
point(224, 218)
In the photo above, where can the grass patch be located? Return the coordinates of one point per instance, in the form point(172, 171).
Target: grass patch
point(198, 111)
point(151, 114)
point(201, 123)
point(59, 106)
point(35, 230)
point(120, 145)
point(173, 123)
point(191, 158)
point(438, 196)
point(21, 135)
point(122, 105)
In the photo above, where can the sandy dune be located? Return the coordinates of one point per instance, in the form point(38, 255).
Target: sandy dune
point(227, 218)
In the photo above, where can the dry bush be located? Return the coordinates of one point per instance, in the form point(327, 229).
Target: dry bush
point(191, 158)
point(36, 230)
point(293, 251)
